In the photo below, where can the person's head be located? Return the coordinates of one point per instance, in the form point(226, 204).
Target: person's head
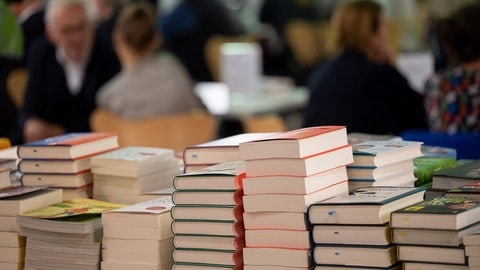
point(69, 27)
point(135, 31)
point(459, 35)
point(359, 26)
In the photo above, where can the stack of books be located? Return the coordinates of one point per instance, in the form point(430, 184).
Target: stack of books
point(133, 174)
point(353, 230)
point(429, 234)
point(213, 152)
point(285, 174)
point(471, 241)
point(64, 235)
point(456, 176)
point(383, 163)
point(138, 236)
point(12, 202)
point(207, 217)
point(9, 160)
point(64, 161)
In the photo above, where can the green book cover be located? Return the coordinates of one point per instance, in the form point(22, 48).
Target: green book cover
point(465, 170)
point(426, 166)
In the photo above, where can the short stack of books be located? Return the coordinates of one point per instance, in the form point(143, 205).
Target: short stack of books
point(133, 174)
point(64, 235)
point(9, 160)
point(138, 236)
point(429, 234)
point(207, 217)
point(210, 153)
point(383, 163)
point(285, 174)
point(456, 176)
point(471, 241)
point(353, 231)
point(64, 161)
point(12, 202)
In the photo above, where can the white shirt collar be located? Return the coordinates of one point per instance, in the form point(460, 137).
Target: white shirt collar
point(74, 71)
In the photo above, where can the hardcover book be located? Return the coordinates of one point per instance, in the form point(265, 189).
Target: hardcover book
point(208, 212)
point(381, 153)
point(436, 254)
point(220, 150)
point(368, 172)
point(71, 166)
point(207, 197)
point(14, 205)
point(208, 257)
point(213, 242)
point(352, 234)
point(208, 227)
point(471, 189)
point(367, 205)
point(298, 143)
point(277, 257)
point(62, 180)
point(355, 255)
point(69, 146)
point(446, 213)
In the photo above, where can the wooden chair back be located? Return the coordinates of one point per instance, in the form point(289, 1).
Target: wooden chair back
point(174, 131)
point(17, 85)
point(307, 41)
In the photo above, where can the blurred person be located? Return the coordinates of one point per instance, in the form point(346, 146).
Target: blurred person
point(105, 13)
point(188, 26)
point(65, 73)
point(452, 95)
point(359, 87)
point(150, 83)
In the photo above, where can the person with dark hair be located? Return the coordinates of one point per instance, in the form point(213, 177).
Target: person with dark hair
point(452, 95)
point(359, 87)
point(151, 83)
point(65, 72)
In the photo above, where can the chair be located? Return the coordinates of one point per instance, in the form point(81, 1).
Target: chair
point(264, 123)
point(16, 85)
point(466, 144)
point(174, 131)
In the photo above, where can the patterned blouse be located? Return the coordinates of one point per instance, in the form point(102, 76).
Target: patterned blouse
point(452, 101)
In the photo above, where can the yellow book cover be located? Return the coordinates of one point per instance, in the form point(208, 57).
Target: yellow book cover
point(76, 206)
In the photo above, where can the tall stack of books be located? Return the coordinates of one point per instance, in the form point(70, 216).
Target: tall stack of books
point(383, 163)
point(13, 202)
point(64, 161)
point(430, 234)
point(65, 235)
point(133, 174)
point(207, 217)
point(210, 153)
point(353, 230)
point(471, 241)
point(138, 236)
point(285, 174)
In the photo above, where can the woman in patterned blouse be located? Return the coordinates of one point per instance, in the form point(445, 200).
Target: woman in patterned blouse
point(452, 96)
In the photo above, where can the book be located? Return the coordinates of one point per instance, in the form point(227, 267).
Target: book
point(456, 176)
point(397, 266)
point(137, 233)
point(426, 166)
point(291, 202)
point(5, 179)
point(430, 237)
point(71, 166)
point(472, 238)
point(352, 234)
point(11, 239)
point(108, 265)
point(207, 197)
point(277, 238)
point(133, 161)
point(319, 162)
point(401, 179)
point(445, 213)
point(208, 257)
point(8, 224)
point(226, 175)
point(12, 254)
point(275, 220)
point(366, 205)
point(368, 172)
point(296, 144)
point(62, 180)
point(77, 224)
point(212, 242)
point(12, 206)
point(436, 254)
point(152, 257)
point(381, 153)
point(208, 212)
point(68, 146)
point(358, 137)
point(277, 257)
point(208, 227)
point(433, 266)
point(219, 150)
point(153, 213)
point(355, 255)
point(136, 244)
point(471, 189)
point(293, 184)
point(193, 266)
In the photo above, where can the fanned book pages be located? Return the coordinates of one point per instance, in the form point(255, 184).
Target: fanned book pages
point(298, 143)
point(220, 150)
point(69, 146)
point(381, 153)
point(367, 205)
